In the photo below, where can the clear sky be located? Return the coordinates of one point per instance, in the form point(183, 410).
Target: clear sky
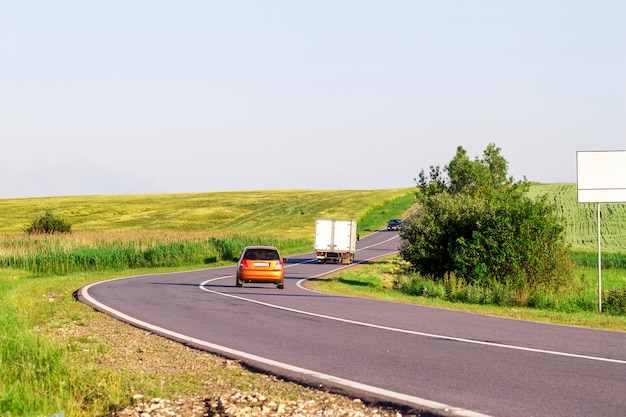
point(135, 97)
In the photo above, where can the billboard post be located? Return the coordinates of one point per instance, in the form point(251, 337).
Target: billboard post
point(601, 178)
point(598, 217)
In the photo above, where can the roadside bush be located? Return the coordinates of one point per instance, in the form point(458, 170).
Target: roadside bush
point(615, 301)
point(542, 300)
point(474, 294)
point(577, 303)
point(480, 226)
point(49, 224)
point(415, 285)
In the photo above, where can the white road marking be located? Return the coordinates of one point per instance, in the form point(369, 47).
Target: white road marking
point(412, 332)
point(408, 399)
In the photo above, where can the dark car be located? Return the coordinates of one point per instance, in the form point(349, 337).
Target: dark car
point(261, 264)
point(394, 224)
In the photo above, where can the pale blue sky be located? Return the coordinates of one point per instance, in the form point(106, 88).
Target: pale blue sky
point(134, 97)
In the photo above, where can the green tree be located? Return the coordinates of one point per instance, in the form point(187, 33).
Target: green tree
point(49, 224)
point(479, 225)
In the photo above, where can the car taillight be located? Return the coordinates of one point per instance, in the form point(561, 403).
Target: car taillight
point(278, 264)
point(244, 263)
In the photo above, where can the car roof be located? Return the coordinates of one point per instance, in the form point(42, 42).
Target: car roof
point(260, 247)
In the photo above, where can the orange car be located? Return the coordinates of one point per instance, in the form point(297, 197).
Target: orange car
point(261, 264)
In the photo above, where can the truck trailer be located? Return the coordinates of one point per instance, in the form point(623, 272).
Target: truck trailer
point(335, 240)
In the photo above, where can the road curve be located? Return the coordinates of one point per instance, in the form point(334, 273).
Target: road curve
point(433, 360)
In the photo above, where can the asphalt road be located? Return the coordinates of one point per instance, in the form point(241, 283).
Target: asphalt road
point(437, 360)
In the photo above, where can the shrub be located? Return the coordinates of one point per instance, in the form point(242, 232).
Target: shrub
point(542, 300)
point(577, 303)
point(615, 301)
point(49, 224)
point(480, 226)
point(415, 285)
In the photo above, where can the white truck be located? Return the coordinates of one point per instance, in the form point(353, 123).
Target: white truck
point(335, 240)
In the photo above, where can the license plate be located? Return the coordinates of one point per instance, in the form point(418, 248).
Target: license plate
point(265, 264)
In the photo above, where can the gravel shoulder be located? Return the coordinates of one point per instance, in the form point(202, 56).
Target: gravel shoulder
point(222, 387)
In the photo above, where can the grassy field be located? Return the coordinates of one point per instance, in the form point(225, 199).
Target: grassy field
point(45, 368)
point(53, 355)
point(579, 219)
point(179, 230)
point(290, 213)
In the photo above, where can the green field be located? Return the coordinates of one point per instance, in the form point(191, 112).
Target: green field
point(45, 368)
point(179, 230)
point(579, 219)
point(288, 213)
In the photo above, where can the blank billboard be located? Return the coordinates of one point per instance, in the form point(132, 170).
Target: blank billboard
point(601, 176)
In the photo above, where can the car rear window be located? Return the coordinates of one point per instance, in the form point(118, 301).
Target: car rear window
point(265, 254)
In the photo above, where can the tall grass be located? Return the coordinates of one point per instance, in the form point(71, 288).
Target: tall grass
point(88, 251)
point(610, 260)
point(580, 295)
point(30, 364)
point(273, 221)
point(39, 376)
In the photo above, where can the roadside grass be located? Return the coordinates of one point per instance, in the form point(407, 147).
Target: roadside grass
point(51, 357)
point(59, 355)
point(380, 214)
point(38, 374)
point(376, 280)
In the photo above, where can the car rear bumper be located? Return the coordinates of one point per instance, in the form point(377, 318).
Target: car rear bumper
point(265, 276)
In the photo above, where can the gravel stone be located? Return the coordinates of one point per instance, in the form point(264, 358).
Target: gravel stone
point(139, 351)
